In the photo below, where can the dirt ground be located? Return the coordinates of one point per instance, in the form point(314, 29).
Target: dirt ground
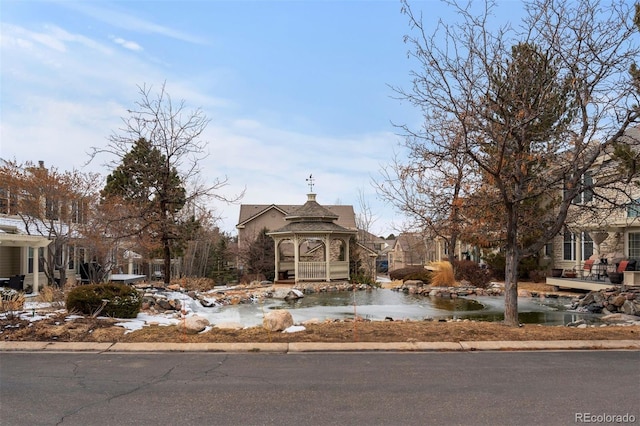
point(85, 329)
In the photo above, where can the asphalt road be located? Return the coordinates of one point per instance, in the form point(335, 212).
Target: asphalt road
point(466, 388)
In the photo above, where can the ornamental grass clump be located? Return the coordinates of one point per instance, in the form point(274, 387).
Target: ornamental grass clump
point(443, 274)
point(113, 300)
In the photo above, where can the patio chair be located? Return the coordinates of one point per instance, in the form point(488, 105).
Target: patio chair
point(622, 266)
point(587, 267)
point(16, 282)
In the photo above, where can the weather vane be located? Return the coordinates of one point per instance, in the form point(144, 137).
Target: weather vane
point(310, 180)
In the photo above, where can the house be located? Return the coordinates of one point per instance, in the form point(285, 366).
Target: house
point(595, 231)
point(377, 245)
point(21, 254)
point(410, 249)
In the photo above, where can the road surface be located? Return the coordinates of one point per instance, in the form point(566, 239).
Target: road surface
point(470, 388)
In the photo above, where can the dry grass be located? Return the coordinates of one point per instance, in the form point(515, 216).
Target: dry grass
point(12, 302)
point(103, 330)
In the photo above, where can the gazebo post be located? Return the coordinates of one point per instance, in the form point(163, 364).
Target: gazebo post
point(327, 257)
point(277, 269)
point(296, 257)
point(346, 251)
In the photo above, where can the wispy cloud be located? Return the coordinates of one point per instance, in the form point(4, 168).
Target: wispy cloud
point(121, 19)
point(131, 45)
point(50, 37)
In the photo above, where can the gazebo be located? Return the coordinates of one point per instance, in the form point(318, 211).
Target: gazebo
point(311, 247)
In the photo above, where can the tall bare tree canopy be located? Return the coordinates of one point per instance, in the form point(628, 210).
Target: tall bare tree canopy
point(533, 107)
point(156, 180)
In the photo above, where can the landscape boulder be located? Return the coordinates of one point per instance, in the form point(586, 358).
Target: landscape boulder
point(195, 324)
point(277, 320)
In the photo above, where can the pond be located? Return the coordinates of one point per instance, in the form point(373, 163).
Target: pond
point(380, 304)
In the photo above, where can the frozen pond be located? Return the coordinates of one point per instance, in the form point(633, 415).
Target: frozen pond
point(379, 304)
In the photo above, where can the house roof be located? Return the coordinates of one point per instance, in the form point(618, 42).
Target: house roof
point(13, 234)
point(248, 212)
point(409, 241)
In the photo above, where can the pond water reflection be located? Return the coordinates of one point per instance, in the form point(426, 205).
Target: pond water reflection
point(379, 304)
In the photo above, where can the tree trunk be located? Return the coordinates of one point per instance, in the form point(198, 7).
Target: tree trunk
point(452, 248)
point(166, 250)
point(511, 271)
point(511, 289)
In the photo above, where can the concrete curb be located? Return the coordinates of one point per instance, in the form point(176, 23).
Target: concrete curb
point(530, 345)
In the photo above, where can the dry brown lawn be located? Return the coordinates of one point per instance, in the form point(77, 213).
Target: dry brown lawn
point(104, 330)
point(87, 329)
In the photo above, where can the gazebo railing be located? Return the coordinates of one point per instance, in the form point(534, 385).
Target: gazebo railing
point(340, 270)
point(312, 270)
point(317, 270)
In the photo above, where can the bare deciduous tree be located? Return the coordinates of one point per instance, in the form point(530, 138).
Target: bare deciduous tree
point(156, 168)
point(537, 107)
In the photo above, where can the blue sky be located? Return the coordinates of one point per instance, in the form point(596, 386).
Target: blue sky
point(292, 88)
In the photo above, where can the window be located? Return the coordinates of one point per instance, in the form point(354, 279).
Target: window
point(79, 258)
point(78, 211)
point(52, 209)
point(633, 209)
point(41, 259)
point(30, 257)
point(586, 193)
point(569, 246)
point(634, 245)
point(8, 201)
point(30, 261)
point(72, 258)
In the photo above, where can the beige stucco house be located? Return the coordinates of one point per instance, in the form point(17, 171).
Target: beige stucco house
point(593, 231)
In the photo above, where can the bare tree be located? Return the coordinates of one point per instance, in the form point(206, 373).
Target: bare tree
point(537, 108)
point(156, 168)
point(431, 187)
point(51, 203)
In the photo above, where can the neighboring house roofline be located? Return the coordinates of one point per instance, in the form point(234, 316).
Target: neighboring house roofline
point(265, 209)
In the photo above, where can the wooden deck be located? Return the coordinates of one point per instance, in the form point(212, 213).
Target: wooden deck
point(581, 283)
point(631, 279)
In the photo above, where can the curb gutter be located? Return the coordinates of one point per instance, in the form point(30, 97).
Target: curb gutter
point(530, 345)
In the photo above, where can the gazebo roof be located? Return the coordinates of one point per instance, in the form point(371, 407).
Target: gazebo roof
point(311, 227)
point(311, 211)
point(311, 217)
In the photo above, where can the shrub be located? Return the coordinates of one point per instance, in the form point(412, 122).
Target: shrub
point(467, 270)
point(411, 273)
point(362, 278)
point(497, 262)
point(114, 300)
